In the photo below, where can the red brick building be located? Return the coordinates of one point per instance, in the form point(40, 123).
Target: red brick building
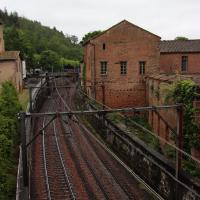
point(180, 56)
point(116, 62)
point(10, 65)
point(126, 66)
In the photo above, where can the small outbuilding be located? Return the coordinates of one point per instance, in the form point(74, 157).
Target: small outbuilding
point(10, 65)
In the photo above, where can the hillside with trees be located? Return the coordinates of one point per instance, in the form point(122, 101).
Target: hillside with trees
point(34, 41)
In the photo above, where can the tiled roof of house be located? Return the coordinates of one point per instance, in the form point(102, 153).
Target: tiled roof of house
point(180, 46)
point(9, 55)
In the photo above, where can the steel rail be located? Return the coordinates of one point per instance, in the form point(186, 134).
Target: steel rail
point(117, 158)
point(135, 175)
point(45, 162)
point(61, 157)
point(81, 152)
point(149, 188)
point(62, 163)
point(130, 171)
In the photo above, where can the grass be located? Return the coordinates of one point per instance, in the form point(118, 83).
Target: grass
point(129, 125)
point(24, 98)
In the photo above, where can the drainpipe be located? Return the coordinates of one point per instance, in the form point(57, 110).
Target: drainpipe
point(94, 72)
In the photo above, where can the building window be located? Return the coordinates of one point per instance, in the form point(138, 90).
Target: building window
point(184, 64)
point(142, 67)
point(103, 68)
point(123, 67)
point(104, 46)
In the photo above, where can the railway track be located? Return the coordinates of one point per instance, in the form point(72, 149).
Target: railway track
point(56, 177)
point(101, 160)
point(55, 173)
point(72, 164)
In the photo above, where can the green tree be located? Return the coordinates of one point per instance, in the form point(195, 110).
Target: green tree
point(9, 103)
point(32, 38)
point(184, 91)
point(181, 38)
point(89, 36)
point(9, 107)
point(50, 60)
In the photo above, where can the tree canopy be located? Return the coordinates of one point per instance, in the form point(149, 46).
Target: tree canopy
point(181, 38)
point(33, 40)
point(89, 35)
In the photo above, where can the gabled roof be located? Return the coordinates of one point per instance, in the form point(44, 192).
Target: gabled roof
point(118, 24)
point(9, 55)
point(180, 46)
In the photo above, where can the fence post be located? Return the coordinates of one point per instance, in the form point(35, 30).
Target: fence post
point(22, 116)
point(30, 99)
point(179, 144)
point(48, 85)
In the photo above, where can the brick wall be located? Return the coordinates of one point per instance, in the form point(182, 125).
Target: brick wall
point(123, 42)
point(172, 62)
point(156, 97)
point(11, 71)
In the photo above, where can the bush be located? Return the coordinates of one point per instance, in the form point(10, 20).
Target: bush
point(9, 107)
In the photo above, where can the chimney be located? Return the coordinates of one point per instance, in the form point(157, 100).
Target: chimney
point(1, 38)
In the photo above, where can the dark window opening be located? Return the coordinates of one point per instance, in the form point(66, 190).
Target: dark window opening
point(104, 46)
point(142, 67)
point(103, 68)
point(123, 67)
point(184, 64)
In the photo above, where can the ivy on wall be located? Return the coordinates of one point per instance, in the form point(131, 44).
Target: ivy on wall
point(184, 91)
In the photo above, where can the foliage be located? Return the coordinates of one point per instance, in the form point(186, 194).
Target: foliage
point(49, 60)
point(9, 107)
point(191, 168)
point(24, 99)
point(184, 91)
point(65, 63)
point(142, 121)
point(181, 38)
point(32, 39)
point(9, 104)
point(89, 36)
point(169, 151)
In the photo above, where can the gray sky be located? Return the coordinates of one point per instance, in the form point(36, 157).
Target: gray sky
point(166, 18)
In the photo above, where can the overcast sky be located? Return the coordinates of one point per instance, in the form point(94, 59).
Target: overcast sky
point(166, 18)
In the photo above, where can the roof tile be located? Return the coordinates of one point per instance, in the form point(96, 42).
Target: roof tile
point(180, 46)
